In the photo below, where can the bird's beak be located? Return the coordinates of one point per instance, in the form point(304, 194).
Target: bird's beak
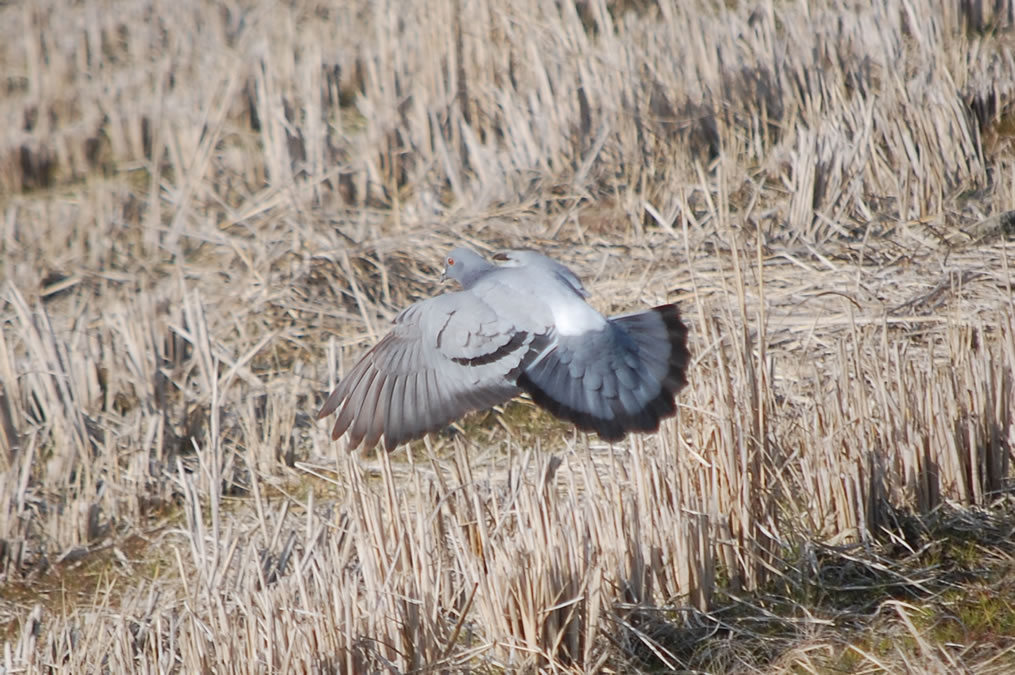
point(444, 275)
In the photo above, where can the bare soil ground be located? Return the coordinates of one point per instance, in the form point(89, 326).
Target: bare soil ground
point(208, 210)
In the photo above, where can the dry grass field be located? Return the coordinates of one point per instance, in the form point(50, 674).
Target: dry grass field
point(208, 210)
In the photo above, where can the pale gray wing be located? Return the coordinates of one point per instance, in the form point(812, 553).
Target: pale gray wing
point(560, 272)
point(618, 378)
point(443, 358)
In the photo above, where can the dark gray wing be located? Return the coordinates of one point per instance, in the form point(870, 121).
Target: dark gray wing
point(622, 377)
point(443, 358)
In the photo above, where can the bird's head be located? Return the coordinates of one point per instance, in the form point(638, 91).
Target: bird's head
point(464, 266)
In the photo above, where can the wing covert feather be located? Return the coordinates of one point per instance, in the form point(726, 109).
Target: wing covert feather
point(442, 359)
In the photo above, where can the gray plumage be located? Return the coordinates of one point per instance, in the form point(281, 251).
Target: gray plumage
point(522, 326)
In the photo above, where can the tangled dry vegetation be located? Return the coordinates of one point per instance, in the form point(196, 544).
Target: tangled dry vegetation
point(209, 208)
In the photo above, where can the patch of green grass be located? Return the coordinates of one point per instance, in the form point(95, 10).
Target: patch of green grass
point(954, 583)
point(88, 576)
point(980, 611)
point(525, 422)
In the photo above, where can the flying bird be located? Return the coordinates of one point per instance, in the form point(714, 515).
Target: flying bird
point(522, 326)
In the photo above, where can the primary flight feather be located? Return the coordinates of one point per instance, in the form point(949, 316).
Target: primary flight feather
point(522, 326)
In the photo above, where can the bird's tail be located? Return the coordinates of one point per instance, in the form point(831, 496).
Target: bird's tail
point(659, 332)
point(623, 378)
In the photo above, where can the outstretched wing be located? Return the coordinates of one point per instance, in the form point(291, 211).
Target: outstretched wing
point(617, 378)
point(443, 358)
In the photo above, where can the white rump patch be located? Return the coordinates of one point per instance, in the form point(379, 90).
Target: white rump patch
point(573, 317)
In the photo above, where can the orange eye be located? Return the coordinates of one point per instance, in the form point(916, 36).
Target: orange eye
point(451, 262)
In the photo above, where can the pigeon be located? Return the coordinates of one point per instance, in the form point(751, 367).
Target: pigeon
point(521, 326)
